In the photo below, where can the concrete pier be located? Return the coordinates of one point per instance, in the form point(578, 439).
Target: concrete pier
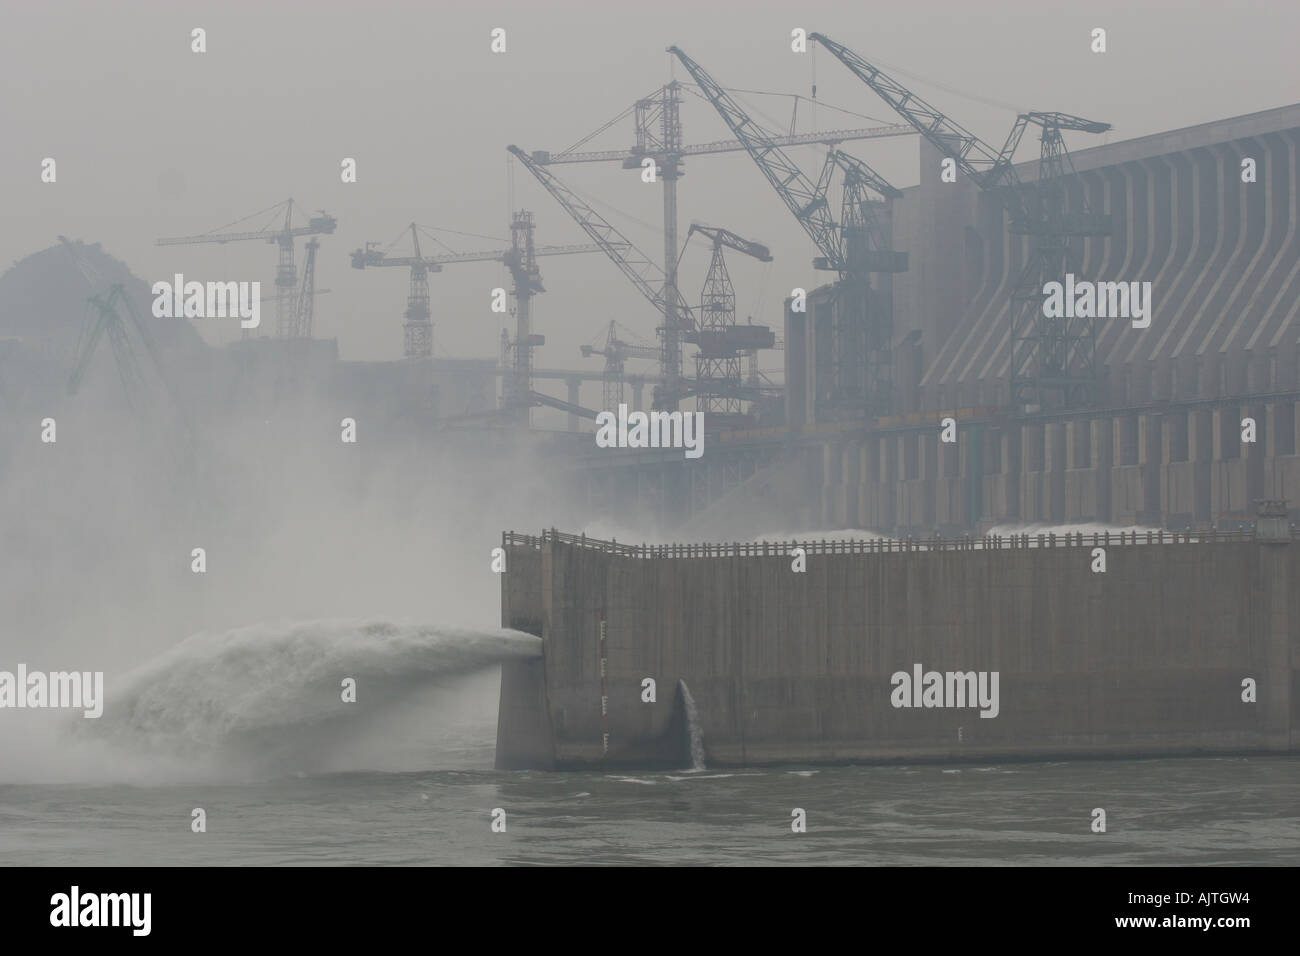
point(1152, 656)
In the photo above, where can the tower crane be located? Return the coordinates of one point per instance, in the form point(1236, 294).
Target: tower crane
point(648, 278)
point(305, 308)
point(1051, 358)
point(646, 109)
point(722, 343)
point(520, 259)
point(612, 380)
point(286, 320)
point(417, 329)
point(863, 342)
point(526, 278)
point(615, 352)
point(526, 281)
point(659, 138)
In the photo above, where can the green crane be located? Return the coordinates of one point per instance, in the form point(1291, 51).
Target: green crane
point(106, 321)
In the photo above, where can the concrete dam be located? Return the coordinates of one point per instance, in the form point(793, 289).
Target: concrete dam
point(890, 650)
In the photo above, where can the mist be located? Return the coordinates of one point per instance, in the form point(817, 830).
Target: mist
point(308, 540)
point(311, 546)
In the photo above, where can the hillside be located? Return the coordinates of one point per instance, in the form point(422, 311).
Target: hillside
point(43, 299)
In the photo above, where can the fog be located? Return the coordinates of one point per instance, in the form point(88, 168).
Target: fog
point(153, 140)
point(98, 528)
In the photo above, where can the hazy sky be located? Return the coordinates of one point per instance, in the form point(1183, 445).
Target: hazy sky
point(154, 140)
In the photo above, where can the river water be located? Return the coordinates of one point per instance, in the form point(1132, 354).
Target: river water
point(251, 727)
point(1217, 811)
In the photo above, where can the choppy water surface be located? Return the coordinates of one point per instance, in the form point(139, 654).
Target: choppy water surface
point(1229, 811)
point(253, 726)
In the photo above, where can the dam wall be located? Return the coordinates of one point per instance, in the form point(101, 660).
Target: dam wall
point(1183, 644)
point(1179, 466)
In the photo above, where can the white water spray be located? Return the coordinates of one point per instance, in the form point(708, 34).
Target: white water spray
point(269, 698)
point(693, 726)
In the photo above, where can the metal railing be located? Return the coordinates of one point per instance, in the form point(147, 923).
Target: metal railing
point(991, 542)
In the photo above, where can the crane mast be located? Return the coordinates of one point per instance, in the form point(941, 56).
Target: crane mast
point(520, 259)
point(305, 308)
point(612, 380)
point(417, 326)
point(287, 324)
point(616, 351)
point(659, 137)
point(640, 269)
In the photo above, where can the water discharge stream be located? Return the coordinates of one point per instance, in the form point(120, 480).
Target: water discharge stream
point(271, 698)
point(693, 727)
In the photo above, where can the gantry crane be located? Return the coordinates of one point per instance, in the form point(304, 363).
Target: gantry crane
point(862, 360)
point(101, 318)
point(104, 320)
point(1052, 360)
point(286, 273)
point(107, 322)
point(722, 343)
point(159, 399)
point(659, 138)
point(863, 245)
point(855, 248)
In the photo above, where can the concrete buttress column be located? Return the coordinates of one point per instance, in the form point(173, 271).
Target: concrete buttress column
point(1012, 468)
point(1274, 685)
point(1149, 461)
point(1054, 460)
point(1103, 459)
point(574, 384)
